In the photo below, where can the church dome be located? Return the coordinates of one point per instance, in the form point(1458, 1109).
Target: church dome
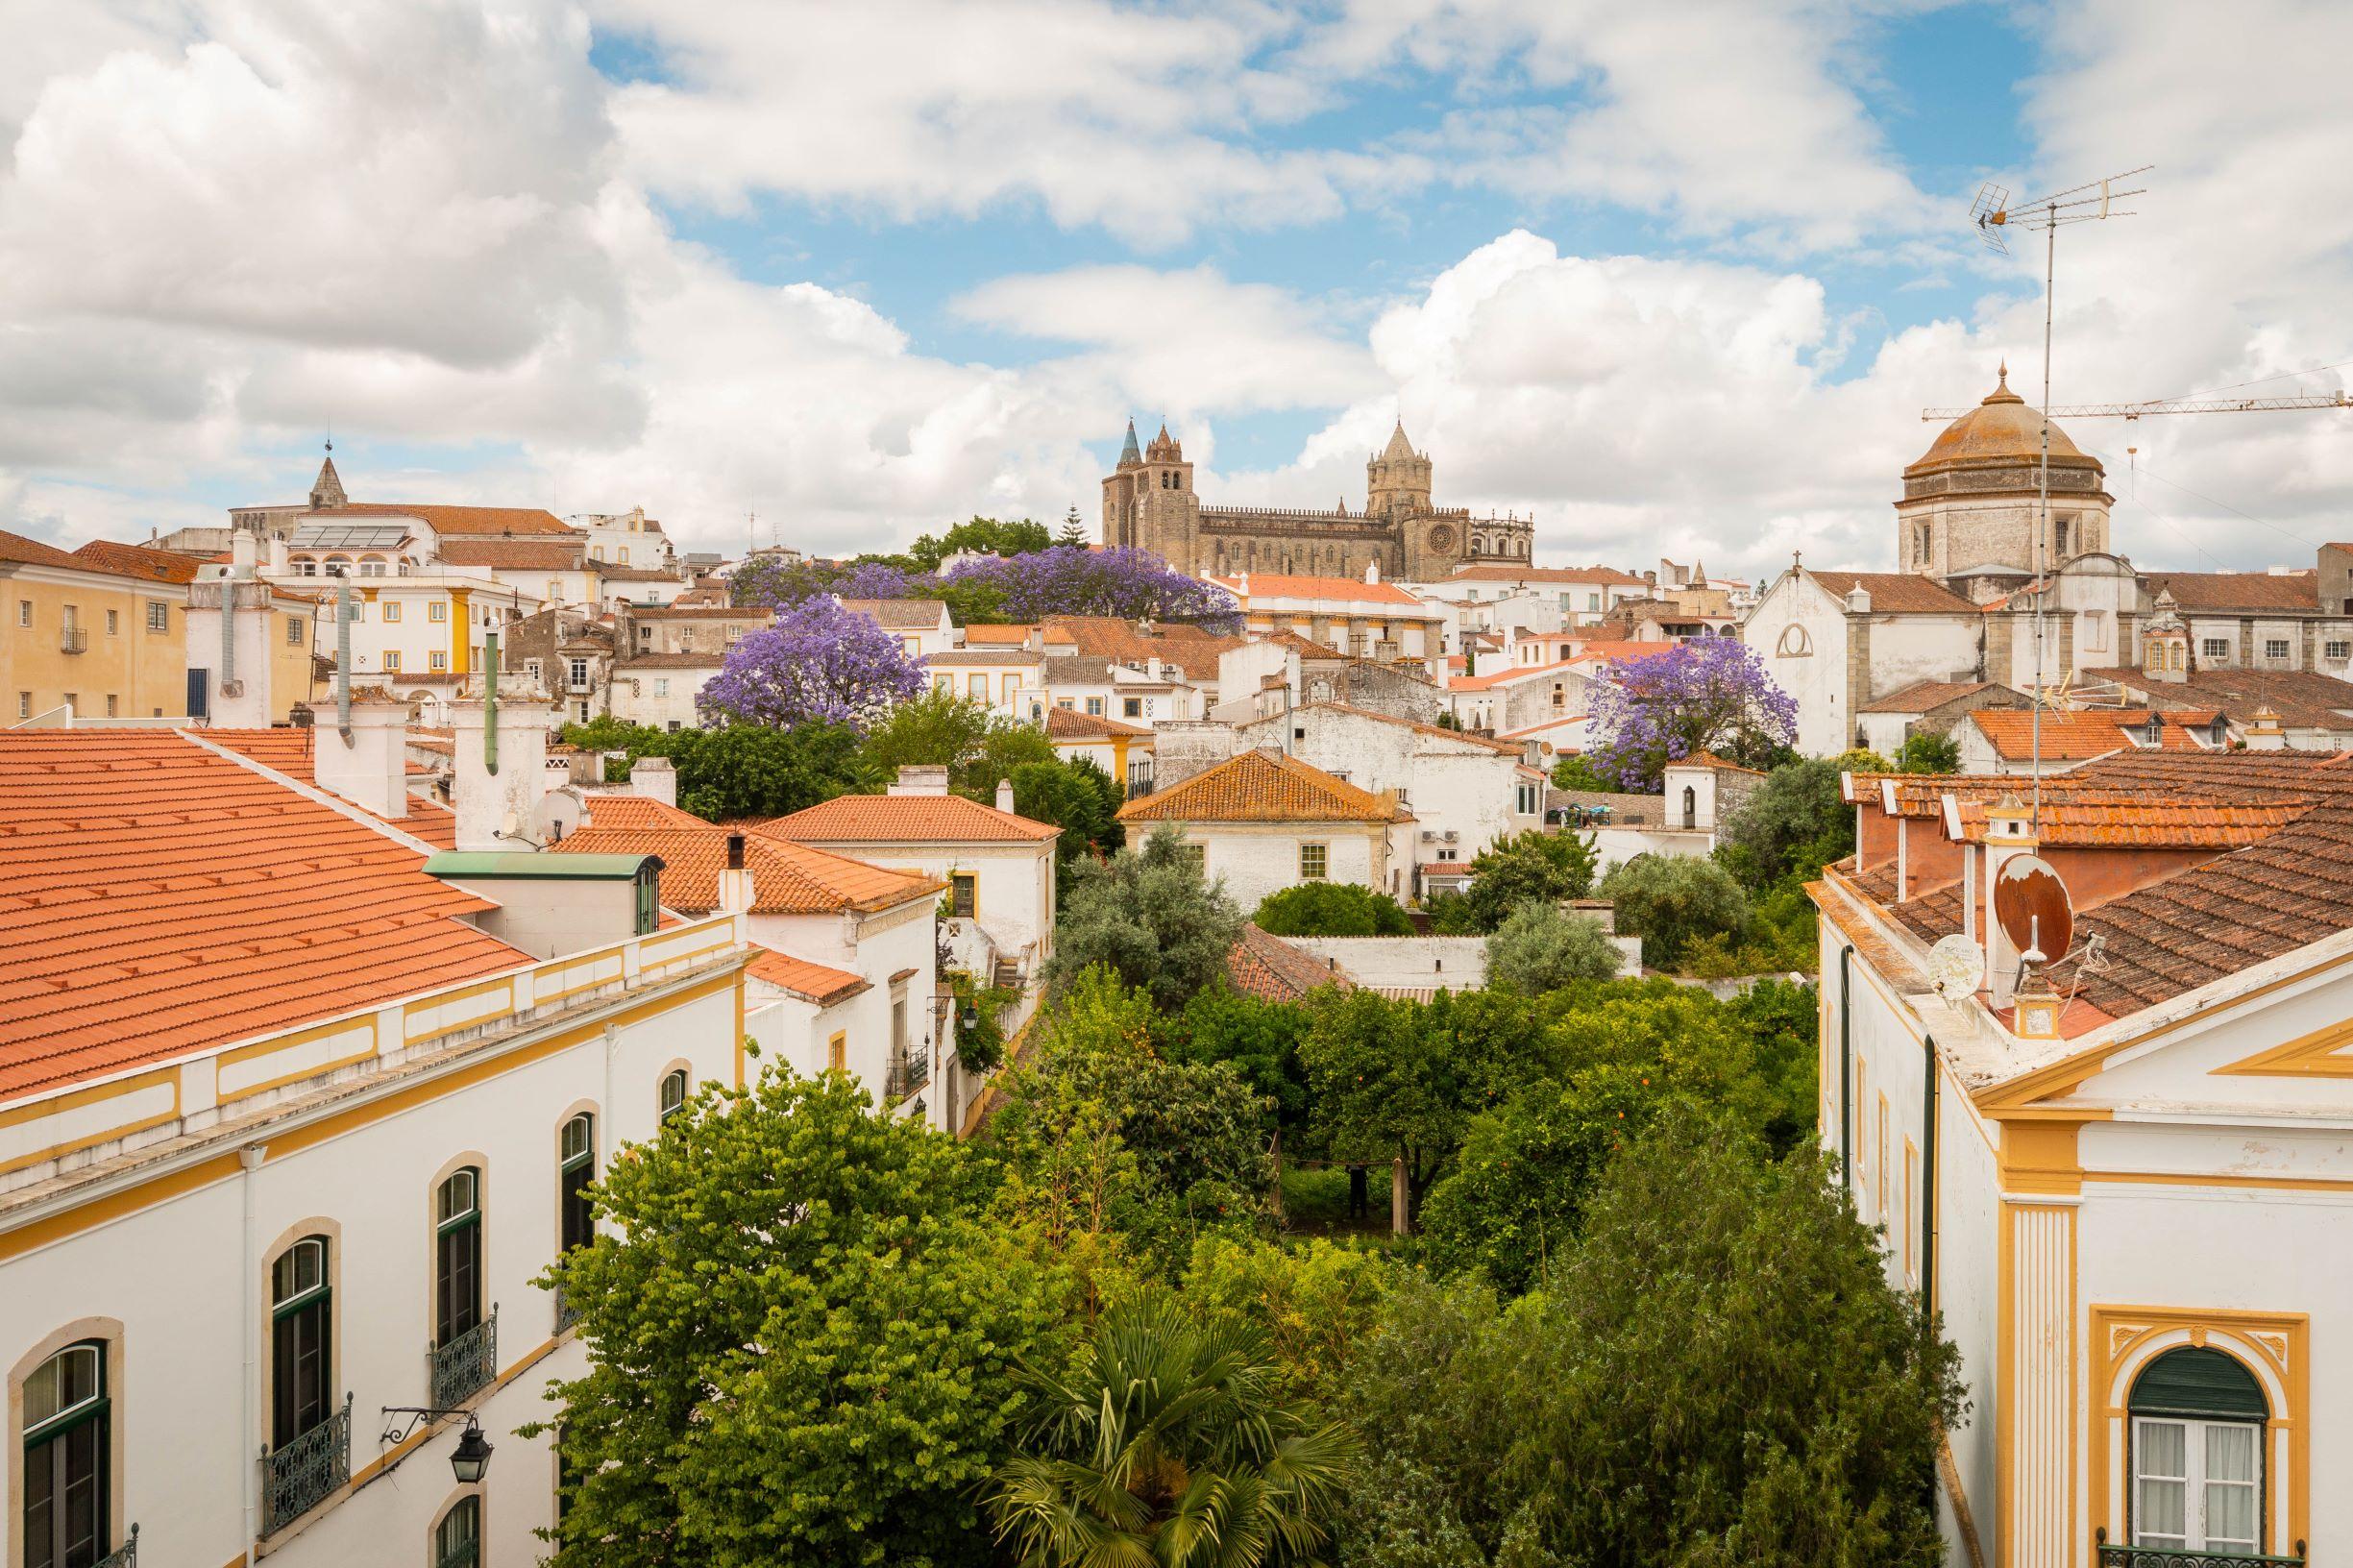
point(2003, 432)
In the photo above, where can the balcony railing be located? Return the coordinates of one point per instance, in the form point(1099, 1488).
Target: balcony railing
point(73, 640)
point(566, 1314)
point(908, 1074)
point(305, 1472)
point(125, 1555)
point(467, 1365)
point(2169, 1557)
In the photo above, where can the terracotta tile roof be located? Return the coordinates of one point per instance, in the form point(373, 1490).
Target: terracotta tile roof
point(1898, 591)
point(1265, 965)
point(158, 899)
point(2303, 699)
point(899, 614)
point(1488, 679)
point(1923, 696)
point(287, 749)
point(1264, 787)
point(976, 634)
point(2143, 823)
point(16, 549)
point(672, 661)
point(490, 521)
point(1545, 573)
point(1619, 652)
point(988, 657)
point(2258, 592)
point(515, 554)
point(2081, 735)
point(1108, 637)
point(787, 878)
point(138, 561)
point(907, 818)
point(1721, 765)
point(1069, 724)
point(810, 982)
point(1264, 585)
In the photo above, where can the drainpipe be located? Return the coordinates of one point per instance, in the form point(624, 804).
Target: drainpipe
point(250, 1159)
point(1927, 1171)
point(229, 634)
point(343, 659)
point(1846, 1069)
point(490, 703)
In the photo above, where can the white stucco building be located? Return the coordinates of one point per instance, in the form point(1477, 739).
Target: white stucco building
point(1264, 822)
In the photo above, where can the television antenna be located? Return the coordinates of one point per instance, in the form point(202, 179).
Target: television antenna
point(1996, 217)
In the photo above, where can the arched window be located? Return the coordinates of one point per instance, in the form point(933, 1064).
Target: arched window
point(2197, 1440)
point(370, 565)
point(67, 1456)
point(457, 1538)
point(1691, 806)
point(673, 1099)
point(302, 1339)
point(457, 1255)
point(576, 1167)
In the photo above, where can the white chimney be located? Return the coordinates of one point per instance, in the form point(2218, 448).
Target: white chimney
point(1004, 794)
point(657, 779)
point(1372, 571)
point(369, 769)
point(1858, 600)
point(485, 800)
point(275, 549)
point(244, 552)
point(2009, 832)
point(915, 781)
point(736, 888)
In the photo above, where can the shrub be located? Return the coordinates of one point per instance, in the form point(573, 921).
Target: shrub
point(1331, 909)
point(1539, 948)
point(1672, 901)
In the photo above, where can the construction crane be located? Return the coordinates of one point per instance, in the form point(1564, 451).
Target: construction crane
point(2170, 405)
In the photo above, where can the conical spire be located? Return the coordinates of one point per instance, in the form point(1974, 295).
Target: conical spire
point(1399, 446)
point(327, 490)
point(1128, 454)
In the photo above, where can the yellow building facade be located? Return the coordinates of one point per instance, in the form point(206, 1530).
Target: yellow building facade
point(73, 632)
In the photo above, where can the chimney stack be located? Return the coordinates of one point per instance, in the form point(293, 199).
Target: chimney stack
point(1004, 794)
point(736, 890)
point(371, 767)
point(518, 748)
point(655, 778)
point(919, 780)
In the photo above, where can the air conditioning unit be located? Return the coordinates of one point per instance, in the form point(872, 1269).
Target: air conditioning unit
point(1452, 835)
point(1429, 835)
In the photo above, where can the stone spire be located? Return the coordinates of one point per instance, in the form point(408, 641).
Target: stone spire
point(327, 490)
point(1399, 446)
point(1129, 457)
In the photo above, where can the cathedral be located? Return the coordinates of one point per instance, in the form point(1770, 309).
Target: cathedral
point(1149, 503)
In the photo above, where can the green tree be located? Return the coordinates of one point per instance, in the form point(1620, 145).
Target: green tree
point(1795, 822)
point(1400, 1080)
point(1073, 530)
point(1451, 915)
point(1314, 1301)
point(1575, 773)
point(753, 770)
point(1260, 1038)
point(1539, 948)
point(1672, 901)
point(1783, 1024)
point(1077, 796)
point(1331, 909)
point(1717, 1369)
point(1925, 752)
point(1524, 867)
point(985, 534)
point(1148, 916)
point(1168, 1444)
point(801, 1341)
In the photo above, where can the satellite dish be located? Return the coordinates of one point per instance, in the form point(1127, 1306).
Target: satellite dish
point(1956, 967)
point(2032, 905)
point(510, 825)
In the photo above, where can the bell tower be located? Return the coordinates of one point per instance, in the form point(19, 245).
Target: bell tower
point(1397, 483)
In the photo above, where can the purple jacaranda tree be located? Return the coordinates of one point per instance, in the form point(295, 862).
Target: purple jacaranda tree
point(879, 580)
point(1131, 584)
point(818, 662)
point(1711, 694)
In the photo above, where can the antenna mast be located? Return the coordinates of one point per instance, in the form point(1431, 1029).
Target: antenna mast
point(2088, 203)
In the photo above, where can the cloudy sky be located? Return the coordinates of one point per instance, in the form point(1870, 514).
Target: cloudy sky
point(1677, 278)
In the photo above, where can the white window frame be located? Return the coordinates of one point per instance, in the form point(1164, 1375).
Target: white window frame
point(2194, 1484)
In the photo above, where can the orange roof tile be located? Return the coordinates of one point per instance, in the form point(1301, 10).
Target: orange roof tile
point(158, 899)
point(1265, 965)
point(2082, 735)
point(1486, 679)
point(2145, 823)
point(138, 561)
point(534, 554)
point(906, 819)
point(975, 636)
point(787, 878)
point(286, 749)
point(1264, 787)
point(1069, 724)
point(810, 982)
point(1274, 585)
point(481, 521)
point(16, 549)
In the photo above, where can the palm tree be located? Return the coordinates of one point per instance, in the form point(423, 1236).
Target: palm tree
point(1167, 1446)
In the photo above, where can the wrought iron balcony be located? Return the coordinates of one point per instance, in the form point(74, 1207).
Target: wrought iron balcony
point(908, 1074)
point(306, 1471)
point(2118, 1555)
point(125, 1555)
point(467, 1365)
point(73, 640)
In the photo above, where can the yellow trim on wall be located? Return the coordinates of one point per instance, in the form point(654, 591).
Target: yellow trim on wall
point(41, 1110)
point(2311, 1055)
point(461, 626)
point(2274, 1343)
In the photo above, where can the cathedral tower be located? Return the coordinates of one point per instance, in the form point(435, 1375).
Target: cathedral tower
point(1971, 505)
point(1397, 483)
point(1149, 503)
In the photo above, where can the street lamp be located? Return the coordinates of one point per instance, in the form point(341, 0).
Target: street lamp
point(470, 1462)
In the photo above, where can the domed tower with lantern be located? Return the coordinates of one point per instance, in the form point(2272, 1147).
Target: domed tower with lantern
point(1972, 503)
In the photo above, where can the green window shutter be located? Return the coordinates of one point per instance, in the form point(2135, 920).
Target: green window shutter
point(2193, 1381)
